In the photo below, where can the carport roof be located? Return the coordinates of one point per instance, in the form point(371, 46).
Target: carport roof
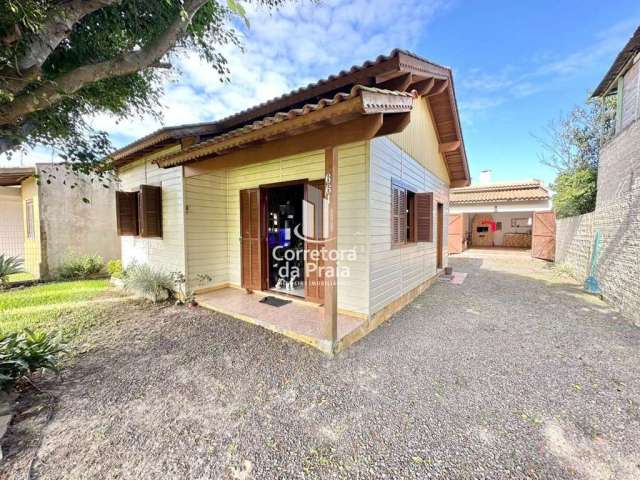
point(528, 190)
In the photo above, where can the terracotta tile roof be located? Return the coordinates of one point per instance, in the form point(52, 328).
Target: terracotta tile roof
point(627, 53)
point(343, 73)
point(499, 192)
point(373, 100)
point(162, 135)
point(179, 131)
point(386, 71)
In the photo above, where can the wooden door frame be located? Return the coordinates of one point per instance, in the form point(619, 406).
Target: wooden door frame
point(319, 278)
point(264, 244)
point(439, 235)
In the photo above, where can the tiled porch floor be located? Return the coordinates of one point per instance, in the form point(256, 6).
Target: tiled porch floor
point(297, 320)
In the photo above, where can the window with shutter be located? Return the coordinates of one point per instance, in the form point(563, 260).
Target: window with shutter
point(424, 216)
point(395, 214)
point(150, 211)
point(127, 213)
point(402, 214)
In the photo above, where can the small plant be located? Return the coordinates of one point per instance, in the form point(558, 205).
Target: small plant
point(9, 266)
point(114, 267)
point(148, 282)
point(80, 267)
point(22, 353)
point(184, 295)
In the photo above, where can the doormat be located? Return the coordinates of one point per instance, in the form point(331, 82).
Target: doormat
point(456, 278)
point(274, 301)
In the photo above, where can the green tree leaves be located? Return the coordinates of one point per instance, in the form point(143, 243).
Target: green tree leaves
point(102, 56)
point(572, 148)
point(575, 192)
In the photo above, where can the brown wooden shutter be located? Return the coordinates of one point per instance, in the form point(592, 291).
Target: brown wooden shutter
point(250, 257)
point(127, 213)
point(424, 216)
point(150, 211)
point(395, 218)
point(398, 214)
point(402, 215)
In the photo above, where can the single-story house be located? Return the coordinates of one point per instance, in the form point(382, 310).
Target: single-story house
point(333, 197)
point(495, 214)
point(49, 213)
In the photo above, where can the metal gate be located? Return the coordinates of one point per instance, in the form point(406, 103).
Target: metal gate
point(543, 242)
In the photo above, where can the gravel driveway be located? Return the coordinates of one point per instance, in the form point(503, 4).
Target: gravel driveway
point(514, 374)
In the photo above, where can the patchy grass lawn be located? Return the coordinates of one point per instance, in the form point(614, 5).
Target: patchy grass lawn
point(68, 307)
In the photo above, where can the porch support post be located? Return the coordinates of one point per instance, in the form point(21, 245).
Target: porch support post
point(330, 280)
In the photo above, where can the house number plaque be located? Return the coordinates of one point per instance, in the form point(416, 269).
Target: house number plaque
point(327, 185)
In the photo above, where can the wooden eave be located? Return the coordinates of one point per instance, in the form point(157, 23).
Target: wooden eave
point(341, 109)
point(15, 176)
point(619, 66)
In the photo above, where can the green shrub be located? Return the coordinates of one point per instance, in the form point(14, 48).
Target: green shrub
point(149, 282)
point(9, 266)
point(81, 266)
point(114, 267)
point(22, 353)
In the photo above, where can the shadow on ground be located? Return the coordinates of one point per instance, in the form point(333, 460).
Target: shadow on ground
point(513, 374)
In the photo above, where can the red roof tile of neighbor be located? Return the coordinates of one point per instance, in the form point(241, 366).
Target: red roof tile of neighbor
point(400, 71)
point(499, 192)
point(627, 54)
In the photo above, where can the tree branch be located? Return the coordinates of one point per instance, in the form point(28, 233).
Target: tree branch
point(56, 29)
point(27, 68)
point(55, 90)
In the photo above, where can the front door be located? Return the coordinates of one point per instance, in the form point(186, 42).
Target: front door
point(251, 239)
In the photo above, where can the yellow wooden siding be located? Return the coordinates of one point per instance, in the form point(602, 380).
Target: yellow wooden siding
point(166, 252)
point(206, 233)
point(206, 248)
point(396, 271)
point(32, 246)
point(420, 141)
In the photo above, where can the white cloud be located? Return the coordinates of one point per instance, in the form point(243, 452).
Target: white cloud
point(285, 49)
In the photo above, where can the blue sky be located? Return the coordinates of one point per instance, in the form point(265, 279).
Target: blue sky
point(517, 65)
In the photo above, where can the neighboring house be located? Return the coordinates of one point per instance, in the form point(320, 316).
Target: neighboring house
point(48, 219)
point(255, 200)
point(11, 222)
point(605, 243)
point(495, 214)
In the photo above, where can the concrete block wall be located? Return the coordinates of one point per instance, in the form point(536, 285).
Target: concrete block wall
point(68, 225)
point(574, 241)
point(617, 218)
point(619, 168)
